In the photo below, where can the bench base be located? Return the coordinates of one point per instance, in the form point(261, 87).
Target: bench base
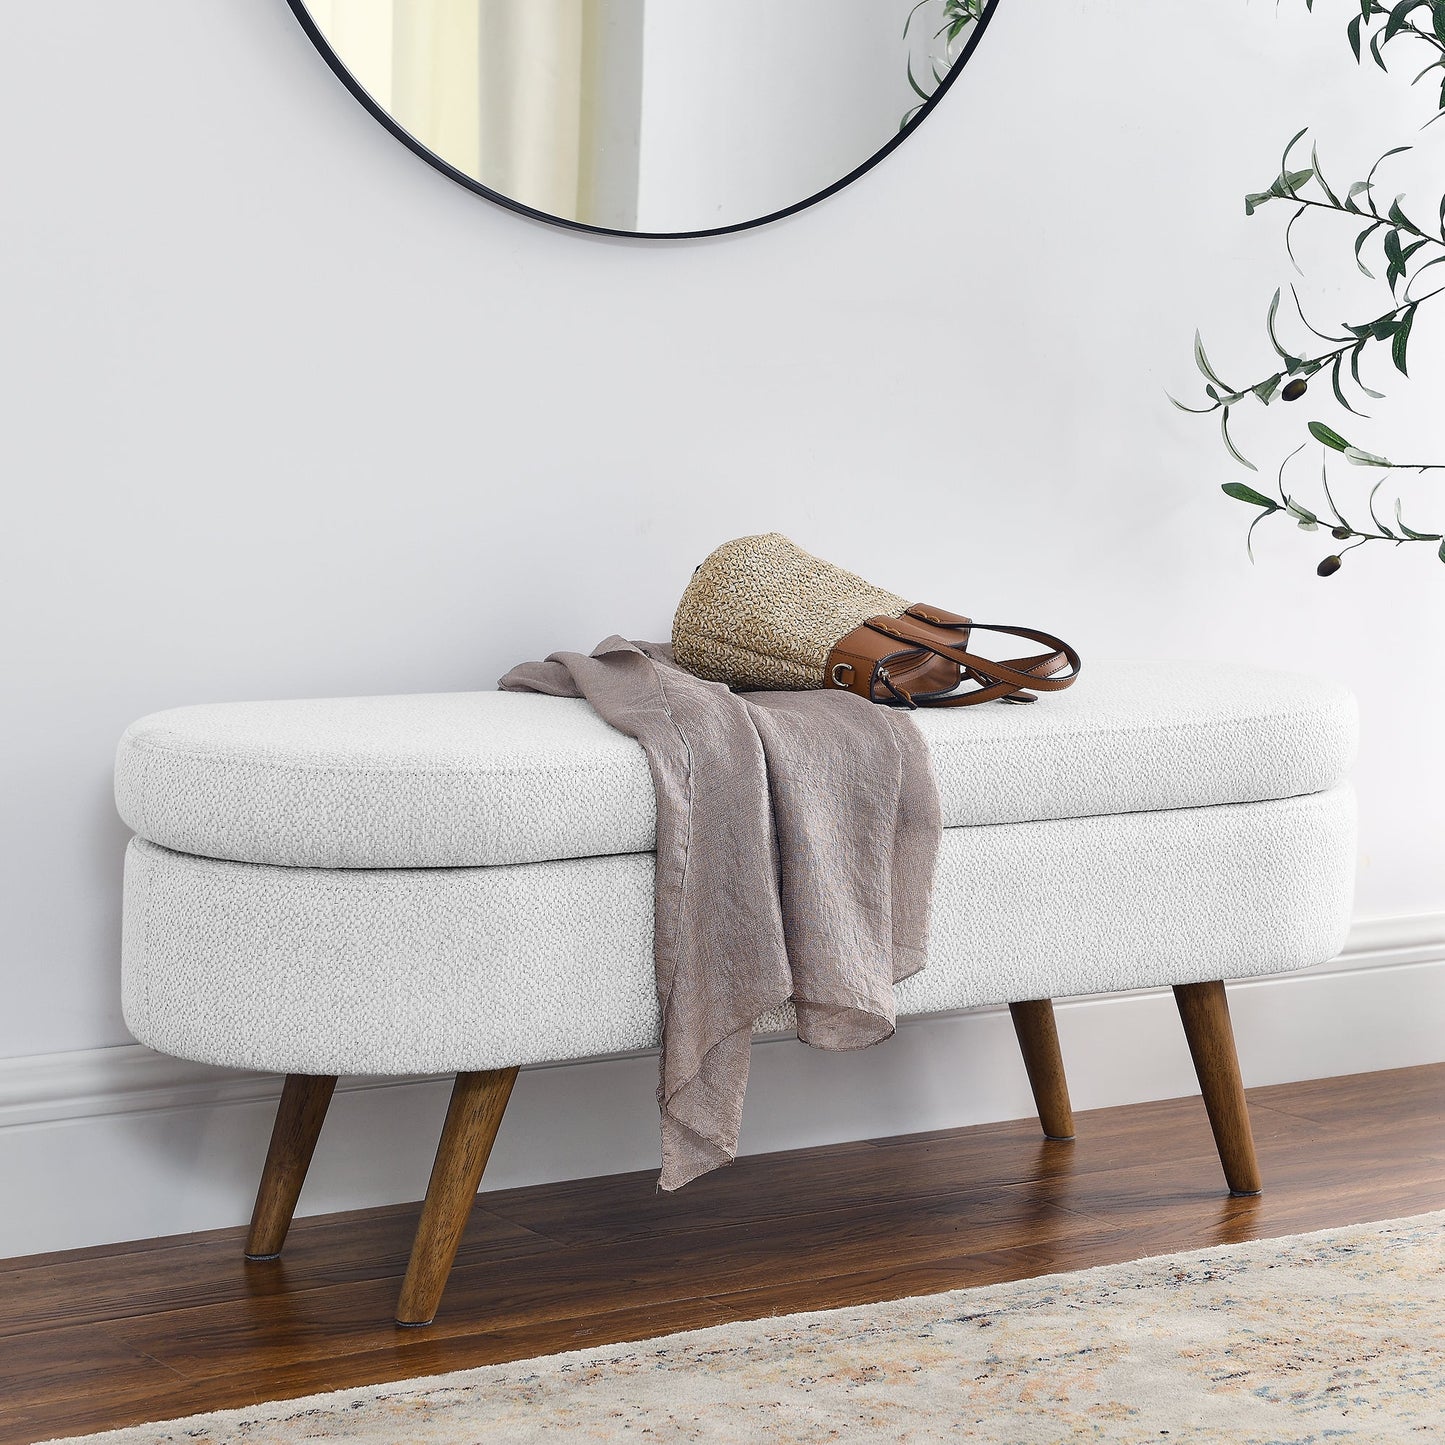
point(454, 970)
point(479, 1100)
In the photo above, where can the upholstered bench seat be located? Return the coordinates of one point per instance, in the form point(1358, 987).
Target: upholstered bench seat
point(450, 780)
point(462, 883)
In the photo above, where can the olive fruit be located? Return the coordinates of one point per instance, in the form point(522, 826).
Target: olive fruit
point(1340, 534)
point(1329, 567)
point(1295, 389)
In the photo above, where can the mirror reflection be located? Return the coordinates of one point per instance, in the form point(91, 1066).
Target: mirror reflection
point(654, 116)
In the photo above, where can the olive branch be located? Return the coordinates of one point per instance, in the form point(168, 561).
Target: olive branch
point(1406, 250)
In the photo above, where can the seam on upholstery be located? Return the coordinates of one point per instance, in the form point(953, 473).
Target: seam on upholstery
point(353, 870)
point(395, 874)
point(338, 878)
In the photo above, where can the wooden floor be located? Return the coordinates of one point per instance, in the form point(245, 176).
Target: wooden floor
point(104, 1337)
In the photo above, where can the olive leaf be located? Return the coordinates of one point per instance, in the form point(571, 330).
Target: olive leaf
point(1331, 438)
point(1358, 458)
point(1242, 493)
point(1306, 518)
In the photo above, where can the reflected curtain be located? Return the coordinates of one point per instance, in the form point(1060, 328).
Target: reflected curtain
point(538, 99)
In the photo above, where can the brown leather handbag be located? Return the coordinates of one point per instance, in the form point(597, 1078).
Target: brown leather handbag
point(762, 613)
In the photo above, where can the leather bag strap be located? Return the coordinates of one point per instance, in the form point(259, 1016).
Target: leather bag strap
point(910, 673)
point(952, 639)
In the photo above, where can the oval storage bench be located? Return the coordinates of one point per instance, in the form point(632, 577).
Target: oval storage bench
point(462, 883)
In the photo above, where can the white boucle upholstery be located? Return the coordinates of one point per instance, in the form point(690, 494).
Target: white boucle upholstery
point(422, 970)
point(465, 779)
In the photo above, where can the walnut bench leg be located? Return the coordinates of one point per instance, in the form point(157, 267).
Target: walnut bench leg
point(1204, 1011)
point(473, 1118)
point(299, 1117)
point(480, 1099)
point(1039, 1044)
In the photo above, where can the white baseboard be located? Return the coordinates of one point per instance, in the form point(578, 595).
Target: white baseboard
point(123, 1143)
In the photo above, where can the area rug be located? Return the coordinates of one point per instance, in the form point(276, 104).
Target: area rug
point(1336, 1336)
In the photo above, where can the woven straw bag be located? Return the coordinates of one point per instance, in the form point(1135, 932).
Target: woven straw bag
point(762, 613)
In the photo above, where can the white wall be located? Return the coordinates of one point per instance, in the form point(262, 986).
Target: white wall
point(286, 413)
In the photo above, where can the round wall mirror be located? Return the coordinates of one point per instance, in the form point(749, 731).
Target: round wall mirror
point(649, 117)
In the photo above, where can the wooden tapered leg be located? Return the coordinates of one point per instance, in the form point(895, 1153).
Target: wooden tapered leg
point(1039, 1043)
point(1204, 1010)
point(299, 1117)
point(473, 1117)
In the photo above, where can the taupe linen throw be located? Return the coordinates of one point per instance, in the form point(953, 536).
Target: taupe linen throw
point(796, 839)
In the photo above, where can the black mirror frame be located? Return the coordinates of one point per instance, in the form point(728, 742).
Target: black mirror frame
point(298, 8)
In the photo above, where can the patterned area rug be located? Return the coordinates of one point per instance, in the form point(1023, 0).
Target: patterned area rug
point(1337, 1336)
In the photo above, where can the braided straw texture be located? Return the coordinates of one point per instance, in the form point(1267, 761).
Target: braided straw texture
point(762, 613)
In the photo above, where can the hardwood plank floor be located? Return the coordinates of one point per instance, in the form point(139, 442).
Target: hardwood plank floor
point(93, 1339)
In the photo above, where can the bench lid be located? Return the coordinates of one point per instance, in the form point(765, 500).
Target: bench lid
point(465, 779)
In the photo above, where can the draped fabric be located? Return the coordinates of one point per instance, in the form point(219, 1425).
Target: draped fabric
point(796, 840)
